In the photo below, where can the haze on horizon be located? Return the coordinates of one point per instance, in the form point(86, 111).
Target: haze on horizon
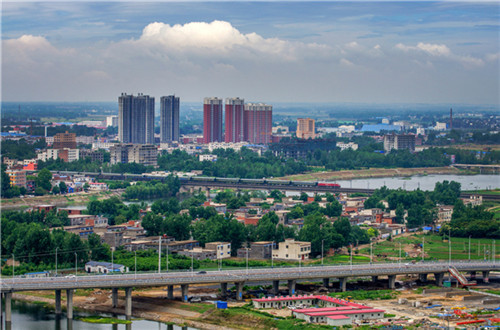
point(362, 52)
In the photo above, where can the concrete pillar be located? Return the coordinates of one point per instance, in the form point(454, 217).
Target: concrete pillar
point(276, 287)
point(239, 290)
point(486, 276)
point(170, 292)
point(128, 302)
point(223, 290)
point(8, 307)
point(114, 297)
point(439, 278)
point(69, 303)
point(291, 287)
point(374, 279)
point(58, 302)
point(392, 282)
point(184, 292)
point(422, 277)
point(326, 282)
point(342, 284)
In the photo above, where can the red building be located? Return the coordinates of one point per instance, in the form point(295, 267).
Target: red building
point(258, 123)
point(234, 119)
point(212, 120)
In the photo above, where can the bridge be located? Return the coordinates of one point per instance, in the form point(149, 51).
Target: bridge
point(238, 277)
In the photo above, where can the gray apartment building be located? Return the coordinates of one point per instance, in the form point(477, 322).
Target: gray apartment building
point(169, 118)
point(136, 118)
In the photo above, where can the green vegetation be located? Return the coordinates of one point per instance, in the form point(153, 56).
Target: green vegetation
point(103, 320)
point(366, 295)
point(472, 221)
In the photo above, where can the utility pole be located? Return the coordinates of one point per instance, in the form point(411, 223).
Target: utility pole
point(371, 252)
point(159, 254)
point(166, 258)
point(423, 247)
point(56, 260)
point(449, 247)
point(135, 268)
point(469, 247)
point(322, 242)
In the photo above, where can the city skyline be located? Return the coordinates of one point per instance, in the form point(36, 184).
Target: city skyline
point(382, 52)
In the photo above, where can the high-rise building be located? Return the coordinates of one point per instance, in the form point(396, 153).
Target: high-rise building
point(305, 128)
point(169, 118)
point(258, 123)
point(64, 140)
point(136, 118)
point(146, 154)
point(111, 121)
point(212, 120)
point(235, 108)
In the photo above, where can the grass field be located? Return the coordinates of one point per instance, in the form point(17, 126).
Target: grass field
point(435, 248)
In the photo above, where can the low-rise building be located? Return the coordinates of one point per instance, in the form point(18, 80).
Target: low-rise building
point(292, 250)
point(199, 253)
point(17, 178)
point(223, 249)
point(105, 267)
point(257, 250)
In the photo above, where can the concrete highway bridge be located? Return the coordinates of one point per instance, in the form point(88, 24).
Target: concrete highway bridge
point(290, 275)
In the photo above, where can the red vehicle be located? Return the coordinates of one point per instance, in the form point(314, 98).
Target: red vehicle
point(325, 184)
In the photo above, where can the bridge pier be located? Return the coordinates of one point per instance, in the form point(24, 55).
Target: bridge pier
point(170, 292)
point(276, 287)
point(486, 276)
point(472, 275)
point(374, 279)
point(69, 303)
point(342, 284)
point(128, 302)
point(392, 282)
point(114, 297)
point(8, 307)
point(239, 290)
point(422, 277)
point(326, 282)
point(223, 290)
point(291, 287)
point(184, 292)
point(58, 302)
point(439, 278)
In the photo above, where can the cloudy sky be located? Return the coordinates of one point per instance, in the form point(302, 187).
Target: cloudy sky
point(370, 52)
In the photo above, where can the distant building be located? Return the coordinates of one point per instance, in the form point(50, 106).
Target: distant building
point(69, 155)
point(145, 154)
point(440, 126)
point(111, 121)
point(105, 267)
point(169, 118)
point(292, 250)
point(235, 108)
point(223, 249)
point(208, 157)
point(136, 118)
point(212, 120)
point(258, 123)
point(399, 142)
point(94, 155)
point(17, 178)
point(344, 146)
point(64, 140)
point(306, 128)
point(257, 250)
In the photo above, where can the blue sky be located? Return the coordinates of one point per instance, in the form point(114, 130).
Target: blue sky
point(373, 52)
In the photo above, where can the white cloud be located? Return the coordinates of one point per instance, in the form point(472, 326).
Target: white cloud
point(440, 51)
point(346, 62)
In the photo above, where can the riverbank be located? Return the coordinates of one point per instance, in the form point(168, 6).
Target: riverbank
point(374, 173)
point(80, 198)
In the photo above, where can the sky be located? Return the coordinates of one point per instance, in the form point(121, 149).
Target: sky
point(363, 52)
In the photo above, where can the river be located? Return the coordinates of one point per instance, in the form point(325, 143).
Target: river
point(28, 316)
point(425, 182)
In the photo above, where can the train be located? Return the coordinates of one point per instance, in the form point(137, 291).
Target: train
point(187, 180)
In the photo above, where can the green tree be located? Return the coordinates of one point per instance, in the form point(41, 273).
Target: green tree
point(62, 187)
point(43, 179)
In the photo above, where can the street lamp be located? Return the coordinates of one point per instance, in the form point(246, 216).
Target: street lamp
point(371, 252)
point(112, 260)
point(272, 255)
point(322, 248)
point(76, 263)
point(400, 254)
point(247, 260)
point(423, 247)
point(135, 268)
point(166, 258)
point(469, 247)
point(192, 267)
point(159, 254)
point(13, 265)
point(449, 247)
point(56, 260)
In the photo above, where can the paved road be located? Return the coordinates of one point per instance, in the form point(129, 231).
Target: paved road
point(232, 276)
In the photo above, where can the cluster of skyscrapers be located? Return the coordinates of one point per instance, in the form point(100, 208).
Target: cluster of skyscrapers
point(243, 122)
point(249, 122)
point(136, 118)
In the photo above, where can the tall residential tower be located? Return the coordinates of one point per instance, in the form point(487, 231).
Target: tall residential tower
point(136, 118)
point(212, 120)
point(169, 118)
point(258, 123)
point(235, 108)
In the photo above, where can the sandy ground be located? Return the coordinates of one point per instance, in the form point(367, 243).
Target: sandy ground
point(371, 173)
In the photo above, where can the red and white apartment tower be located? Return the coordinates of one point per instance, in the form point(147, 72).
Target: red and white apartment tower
point(235, 108)
point(258, 123)
point(212, 119)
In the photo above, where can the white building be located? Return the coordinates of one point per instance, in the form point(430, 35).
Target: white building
point(208, 157)
point(223, 249)
point(344, 146)
point(104, 267)
point(292, 250)
point(112, 121)
point(440, 126)
point(48, 154)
